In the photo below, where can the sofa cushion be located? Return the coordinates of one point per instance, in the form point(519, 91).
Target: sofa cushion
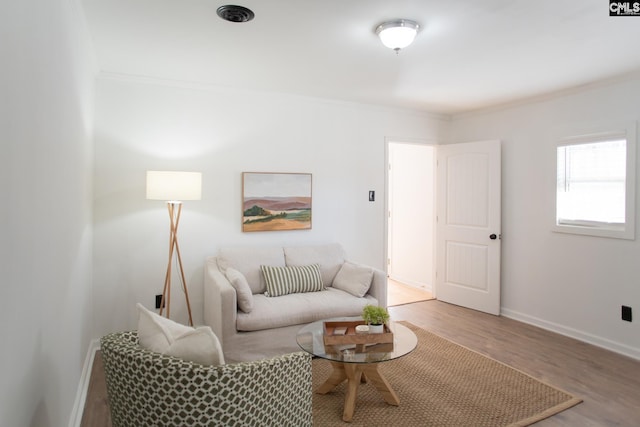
point(330, 258)
point(292, 279)
point(248, 261)
point(162, 335)
point(243, 291)
point(354, 278)
point(297, 309)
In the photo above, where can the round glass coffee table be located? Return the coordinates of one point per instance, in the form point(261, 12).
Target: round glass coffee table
point(357, 364)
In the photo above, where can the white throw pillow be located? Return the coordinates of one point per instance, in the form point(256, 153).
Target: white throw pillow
point(162, 335)
point(247, 260)
point(353, 278)
point(243, 291)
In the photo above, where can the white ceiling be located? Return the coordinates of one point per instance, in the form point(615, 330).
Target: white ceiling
point(469, 54)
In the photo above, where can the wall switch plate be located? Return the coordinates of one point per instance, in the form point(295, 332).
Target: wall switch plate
point(158, 300)
point(626, 313)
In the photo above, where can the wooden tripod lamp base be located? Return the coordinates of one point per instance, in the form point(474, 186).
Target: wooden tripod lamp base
point(175, 208)
point(174, 187)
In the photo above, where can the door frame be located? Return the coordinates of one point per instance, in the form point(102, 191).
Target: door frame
point(409, 141)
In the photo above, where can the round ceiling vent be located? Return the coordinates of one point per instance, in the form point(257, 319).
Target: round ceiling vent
point(234, 13)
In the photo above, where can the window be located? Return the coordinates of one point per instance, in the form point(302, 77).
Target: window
point(591, 184)
point(595, 184)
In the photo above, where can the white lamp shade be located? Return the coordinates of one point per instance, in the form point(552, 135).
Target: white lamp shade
point(397, 34)
point(174, 186)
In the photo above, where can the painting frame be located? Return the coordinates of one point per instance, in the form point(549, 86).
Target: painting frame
point(276, 201)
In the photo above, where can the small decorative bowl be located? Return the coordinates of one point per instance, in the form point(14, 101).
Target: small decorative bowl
point(362, 329)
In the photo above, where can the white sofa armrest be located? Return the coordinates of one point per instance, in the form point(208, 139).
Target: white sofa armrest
point(220, 302)
point(378, 287)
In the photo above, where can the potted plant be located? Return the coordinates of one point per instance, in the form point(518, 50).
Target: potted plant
point(375, 317)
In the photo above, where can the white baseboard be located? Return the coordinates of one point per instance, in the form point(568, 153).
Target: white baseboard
point(573, 333)
point(417, 285)
point(81, 396)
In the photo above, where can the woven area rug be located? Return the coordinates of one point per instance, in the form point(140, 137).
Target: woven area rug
point(443, 384)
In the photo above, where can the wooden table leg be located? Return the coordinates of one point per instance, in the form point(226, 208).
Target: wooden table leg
point(354, 373)
point(337, 376)
point(381, 384)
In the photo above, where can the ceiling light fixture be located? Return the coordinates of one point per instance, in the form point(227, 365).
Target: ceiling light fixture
point(397, 34)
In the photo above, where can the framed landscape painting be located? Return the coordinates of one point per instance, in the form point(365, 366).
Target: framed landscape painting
point(276, 201)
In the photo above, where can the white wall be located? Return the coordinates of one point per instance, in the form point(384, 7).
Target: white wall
point(142, 126)
point(568, 283)
point(48, 311)
point(412, 207)
point(45, 178)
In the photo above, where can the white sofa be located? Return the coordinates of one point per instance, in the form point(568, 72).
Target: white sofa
point(270, 328)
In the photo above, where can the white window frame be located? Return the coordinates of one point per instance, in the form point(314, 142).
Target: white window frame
point(599, 229)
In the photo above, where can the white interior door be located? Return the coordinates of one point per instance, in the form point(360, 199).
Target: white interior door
point(468, 225)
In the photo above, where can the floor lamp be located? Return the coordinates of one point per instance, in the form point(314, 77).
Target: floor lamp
point(174, 188)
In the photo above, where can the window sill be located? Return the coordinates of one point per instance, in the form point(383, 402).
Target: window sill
point(627, 233)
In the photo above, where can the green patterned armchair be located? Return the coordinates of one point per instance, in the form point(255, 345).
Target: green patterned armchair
point(151, 389)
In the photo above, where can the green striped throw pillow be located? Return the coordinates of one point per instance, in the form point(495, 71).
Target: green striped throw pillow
point(292, 279)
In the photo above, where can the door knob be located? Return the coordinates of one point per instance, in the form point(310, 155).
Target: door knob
point(493, 237)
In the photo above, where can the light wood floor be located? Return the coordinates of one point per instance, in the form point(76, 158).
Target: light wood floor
point(96, 407)
point(608, 383)
point(399, 293)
